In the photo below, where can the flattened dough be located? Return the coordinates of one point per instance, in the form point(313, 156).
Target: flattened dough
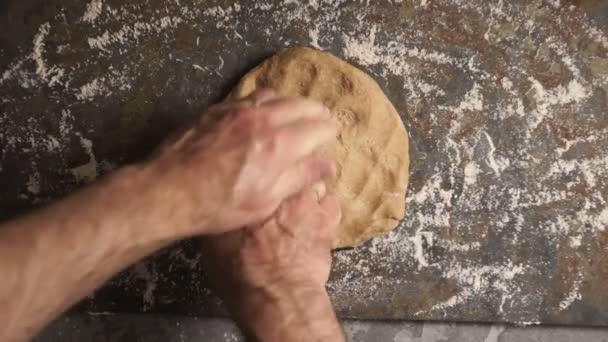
point(372, 146)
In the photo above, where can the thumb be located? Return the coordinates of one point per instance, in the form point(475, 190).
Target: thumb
point(303, 174)
point(332, 214)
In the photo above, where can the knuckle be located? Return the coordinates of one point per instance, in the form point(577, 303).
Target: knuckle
point(294, 213)
point(266, 144)
point(249, 120)
point(244, 116)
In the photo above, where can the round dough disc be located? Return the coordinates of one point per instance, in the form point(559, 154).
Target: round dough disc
point(371, 150)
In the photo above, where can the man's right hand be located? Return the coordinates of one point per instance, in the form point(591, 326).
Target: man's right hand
point(217, 177)
point(272, 276)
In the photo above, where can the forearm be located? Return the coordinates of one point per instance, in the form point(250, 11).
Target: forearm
point(56, 256)
point(298, 313)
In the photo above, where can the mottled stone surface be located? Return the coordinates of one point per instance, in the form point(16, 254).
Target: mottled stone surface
point(150, 328)
point(505, 102)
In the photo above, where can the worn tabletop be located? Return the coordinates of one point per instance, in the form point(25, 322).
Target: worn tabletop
point(506, 104)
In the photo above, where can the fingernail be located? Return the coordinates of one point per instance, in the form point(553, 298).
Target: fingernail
point(320, 189)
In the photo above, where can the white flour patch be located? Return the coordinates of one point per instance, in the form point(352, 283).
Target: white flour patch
point(476, 280)
point(51, 143)
point(395, 58)
point(92, 89)
point(224, 16)
point(392, 57)
point(442, 199)
point(459, 247)
point(575, 241)
point(572, 296)
point(545, 100)
point(52, 75)
point(132, 32)
point(588, 169)
point(472, 101)
point(93, 10)
point(87, 172)
point(421, 241)
point(471, 170)
point(569, 143)
point(495, 163)
point(37, 54)
point(65, 123)
point(314, 38)
point(11, 71)
point(597, 35)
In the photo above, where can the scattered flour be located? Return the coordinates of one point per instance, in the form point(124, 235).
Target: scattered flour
point(447, 225)
point(432, 206)
point(93, 10)
point(37, 54)
point(92, 89)
point(420, 241)
point(544, 99)
point(476, 280)
point(573, 295)
point(314, 38)
point(497, 164)
point(87, 172)
point(132, 32)
point(52, 75)
point(471, 170)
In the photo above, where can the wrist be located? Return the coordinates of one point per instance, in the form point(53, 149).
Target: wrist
point(131, 201)
point(287, 312)
point(161, 207)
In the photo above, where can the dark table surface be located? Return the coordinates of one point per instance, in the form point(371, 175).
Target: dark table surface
point(166, 328)
point(505, 102)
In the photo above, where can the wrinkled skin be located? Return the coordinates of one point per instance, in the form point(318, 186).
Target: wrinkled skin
point(293, 246)
point(238, 177)
point(261, 151)
point(272, 276)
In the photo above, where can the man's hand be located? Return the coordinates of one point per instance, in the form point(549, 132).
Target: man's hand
point(272, 276)
point(209, 179)
point(222, 175)
point(292, 247)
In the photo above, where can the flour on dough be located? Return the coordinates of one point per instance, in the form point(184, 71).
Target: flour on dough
point(371, 150)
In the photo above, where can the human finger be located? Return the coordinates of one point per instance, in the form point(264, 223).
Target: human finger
point(297, 210)
point(255, 99)
point(304, 173)
point(299, 139)
point(261, 96)
point(332, 214)
point(284, 110)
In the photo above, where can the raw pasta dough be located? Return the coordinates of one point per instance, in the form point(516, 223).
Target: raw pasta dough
point(372, 146)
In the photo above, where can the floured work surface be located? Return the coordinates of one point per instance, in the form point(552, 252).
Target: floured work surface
point(370, 151)
point(505, 104)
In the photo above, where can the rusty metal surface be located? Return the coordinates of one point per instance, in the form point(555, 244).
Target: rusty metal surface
point(505, 103)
